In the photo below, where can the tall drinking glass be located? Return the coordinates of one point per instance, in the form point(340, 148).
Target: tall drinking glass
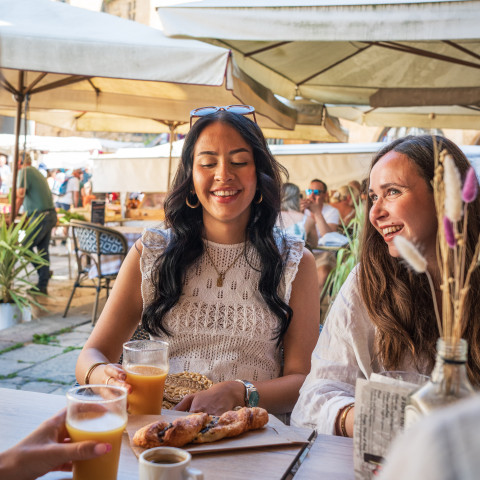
point(97, 412)
point(146, 364)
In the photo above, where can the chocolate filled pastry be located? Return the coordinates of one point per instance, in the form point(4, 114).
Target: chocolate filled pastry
point(200, 428)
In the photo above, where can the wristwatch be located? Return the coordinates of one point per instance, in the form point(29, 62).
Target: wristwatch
point(251, 395)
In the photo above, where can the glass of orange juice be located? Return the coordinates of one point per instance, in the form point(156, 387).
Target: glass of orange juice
point(146, 365)
point(97, 412)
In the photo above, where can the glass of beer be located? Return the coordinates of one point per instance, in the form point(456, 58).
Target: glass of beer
point(146, 365)
point(97, 412)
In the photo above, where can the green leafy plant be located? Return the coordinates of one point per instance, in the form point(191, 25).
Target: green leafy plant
point(65, 216)
point(348, 256)
point(16, 261)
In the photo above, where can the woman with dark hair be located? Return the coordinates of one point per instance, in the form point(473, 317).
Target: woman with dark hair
point(383, 317)
point(235, 299)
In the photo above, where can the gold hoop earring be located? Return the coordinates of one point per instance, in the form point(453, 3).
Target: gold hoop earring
point(190, 204)
point(259, 200)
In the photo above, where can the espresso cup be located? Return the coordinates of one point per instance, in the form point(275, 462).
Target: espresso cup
point(167, 463)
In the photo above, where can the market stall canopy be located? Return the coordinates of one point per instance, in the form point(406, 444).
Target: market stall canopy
point(377, 53)
point(136, 169)
point(66, 160)
point(145, 169)
point(53, 144)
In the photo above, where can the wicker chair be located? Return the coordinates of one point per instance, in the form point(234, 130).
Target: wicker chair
point(92, 243)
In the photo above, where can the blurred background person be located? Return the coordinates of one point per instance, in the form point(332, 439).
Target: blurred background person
point(292, 220)
point(35, 196)
point(86, 193)
point(355, 184)
point(71, 196)
point(344, 200)
point(51, 174)
point(327, 219)
point(5, 174)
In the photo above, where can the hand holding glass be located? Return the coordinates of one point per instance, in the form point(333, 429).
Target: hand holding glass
point(99, 413)
point(146, 365)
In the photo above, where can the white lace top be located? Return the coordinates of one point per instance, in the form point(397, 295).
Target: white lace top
point(222, 332)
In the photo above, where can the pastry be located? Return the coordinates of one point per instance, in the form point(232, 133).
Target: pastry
point(200, 428)
point(232, 423)
point(176, 434)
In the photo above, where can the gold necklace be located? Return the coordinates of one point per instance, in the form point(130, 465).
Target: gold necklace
point(221, 275)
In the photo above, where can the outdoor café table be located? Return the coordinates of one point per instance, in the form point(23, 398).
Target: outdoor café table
point(329, 457)
point(22, 411)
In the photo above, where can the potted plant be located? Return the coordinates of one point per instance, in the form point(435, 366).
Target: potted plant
point(16, 266)
point(348, 256)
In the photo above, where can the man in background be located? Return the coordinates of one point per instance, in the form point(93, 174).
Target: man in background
point(34, 194)
point(327, 219)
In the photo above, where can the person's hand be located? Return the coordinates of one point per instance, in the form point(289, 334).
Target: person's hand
point(114, 374)
point(218, 399)
point(304, 204)
point(317, 202)
point(46, 449)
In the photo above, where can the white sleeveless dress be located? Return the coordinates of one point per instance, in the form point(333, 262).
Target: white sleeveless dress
point(223, 332)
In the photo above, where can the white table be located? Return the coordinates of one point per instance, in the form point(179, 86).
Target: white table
point(330, 457)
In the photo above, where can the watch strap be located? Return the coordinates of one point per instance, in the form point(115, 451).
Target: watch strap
point(249, 390)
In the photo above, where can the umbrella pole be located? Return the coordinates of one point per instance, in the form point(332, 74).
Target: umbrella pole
point(172, 127)
point(19, 98)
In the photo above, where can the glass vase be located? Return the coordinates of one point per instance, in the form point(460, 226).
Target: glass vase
point(448, 383)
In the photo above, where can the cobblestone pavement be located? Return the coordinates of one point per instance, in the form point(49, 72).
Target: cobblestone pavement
point(44, 364)
point(40, 355)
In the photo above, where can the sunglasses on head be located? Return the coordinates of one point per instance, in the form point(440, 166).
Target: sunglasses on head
point(238, 109)
point(309, 191)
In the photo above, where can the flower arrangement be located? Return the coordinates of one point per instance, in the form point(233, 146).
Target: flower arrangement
point(451, 201)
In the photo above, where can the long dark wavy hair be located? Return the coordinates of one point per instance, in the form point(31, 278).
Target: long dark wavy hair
point(186, 244)
point(399, 301)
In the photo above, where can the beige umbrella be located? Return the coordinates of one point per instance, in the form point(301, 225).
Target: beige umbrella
point(382, 54)
point(56, 56)
point(428, 117)
point(314, 122)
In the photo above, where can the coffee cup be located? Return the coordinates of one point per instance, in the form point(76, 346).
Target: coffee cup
point(167, 463)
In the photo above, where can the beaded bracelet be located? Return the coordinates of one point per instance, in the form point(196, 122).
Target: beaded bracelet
point(86, 381)
point(343, 419)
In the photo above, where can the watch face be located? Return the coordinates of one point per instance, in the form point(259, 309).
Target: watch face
point(253, 399)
